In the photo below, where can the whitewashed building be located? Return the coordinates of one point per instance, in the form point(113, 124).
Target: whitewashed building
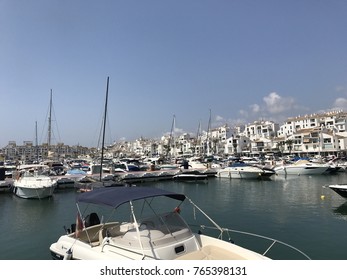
point(261, 129)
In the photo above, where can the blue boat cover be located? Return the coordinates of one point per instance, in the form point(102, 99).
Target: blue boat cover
point(116, 196)
point(76, 172)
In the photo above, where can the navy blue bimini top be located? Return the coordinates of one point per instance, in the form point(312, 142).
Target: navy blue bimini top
point(116, 196)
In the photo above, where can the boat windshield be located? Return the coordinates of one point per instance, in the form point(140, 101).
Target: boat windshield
point(169, 222)
point(238, 164)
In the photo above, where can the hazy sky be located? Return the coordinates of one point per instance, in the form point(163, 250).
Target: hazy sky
point(244, 60)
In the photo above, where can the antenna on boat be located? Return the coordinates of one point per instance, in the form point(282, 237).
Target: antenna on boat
point(104, 128)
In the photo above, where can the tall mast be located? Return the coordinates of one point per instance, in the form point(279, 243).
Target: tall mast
point(198, 138)
point(50, 123)
point(104, 128)
point(208, 134)
point(36, 143)
point(171, 135)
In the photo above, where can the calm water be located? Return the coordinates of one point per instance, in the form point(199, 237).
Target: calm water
point(297, 210)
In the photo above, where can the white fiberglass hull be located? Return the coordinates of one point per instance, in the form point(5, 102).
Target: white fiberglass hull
point(234, 173)
point(150, 235)
point(300, 170)
point(196, 247)
point(34, 187)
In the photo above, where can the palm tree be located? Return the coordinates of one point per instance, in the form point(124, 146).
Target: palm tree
point(289, 144)
point(280, 146)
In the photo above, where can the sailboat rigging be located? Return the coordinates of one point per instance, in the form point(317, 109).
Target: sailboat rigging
point(50, 133)
point(98, 180)
point(172, 138)
point(50, 123)
point(198, 140)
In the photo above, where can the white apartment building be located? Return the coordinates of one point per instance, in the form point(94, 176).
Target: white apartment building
point(314, 133)
point(335, 120)
point(221, 133)
point(315, 140)
point(237, 144)
point(261, 129)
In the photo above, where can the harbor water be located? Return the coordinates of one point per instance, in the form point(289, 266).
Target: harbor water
point(297, 210)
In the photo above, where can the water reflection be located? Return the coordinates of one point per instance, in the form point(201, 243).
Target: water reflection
point(297, 210)
point(341, 210)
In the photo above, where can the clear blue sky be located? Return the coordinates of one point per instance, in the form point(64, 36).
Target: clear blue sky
point(242, 59)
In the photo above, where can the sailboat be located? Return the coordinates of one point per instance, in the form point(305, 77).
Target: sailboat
point(97, 182)
point(31, 181)
point(172, 139)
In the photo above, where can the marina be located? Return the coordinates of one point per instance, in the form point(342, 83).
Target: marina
point(178, 130)
point(298, 210)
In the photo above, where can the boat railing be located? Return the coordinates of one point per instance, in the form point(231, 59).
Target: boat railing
point(127, 252)
point(267, 250)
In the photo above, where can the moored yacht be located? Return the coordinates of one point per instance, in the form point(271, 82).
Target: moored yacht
point(30, 183)
point(301, 167)
point(240, 170)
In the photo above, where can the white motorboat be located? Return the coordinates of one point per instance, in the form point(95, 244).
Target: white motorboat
point(34, 185)
point(190, 175)
point(6, 184)
point(150, 232)
point(301, 167)
point(240, 170)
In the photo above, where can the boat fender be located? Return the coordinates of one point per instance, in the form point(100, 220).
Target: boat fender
point(68, 255)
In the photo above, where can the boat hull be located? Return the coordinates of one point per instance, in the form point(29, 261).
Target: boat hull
point(339, 189)
point(300, 170)
point(6, 186)
point(239, 174)
point(163, 235)
point(196, 247)
point(190, 177)
point(25, 192)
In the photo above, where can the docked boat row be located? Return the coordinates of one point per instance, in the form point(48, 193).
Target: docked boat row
point(41, 180)
point(149, 234)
